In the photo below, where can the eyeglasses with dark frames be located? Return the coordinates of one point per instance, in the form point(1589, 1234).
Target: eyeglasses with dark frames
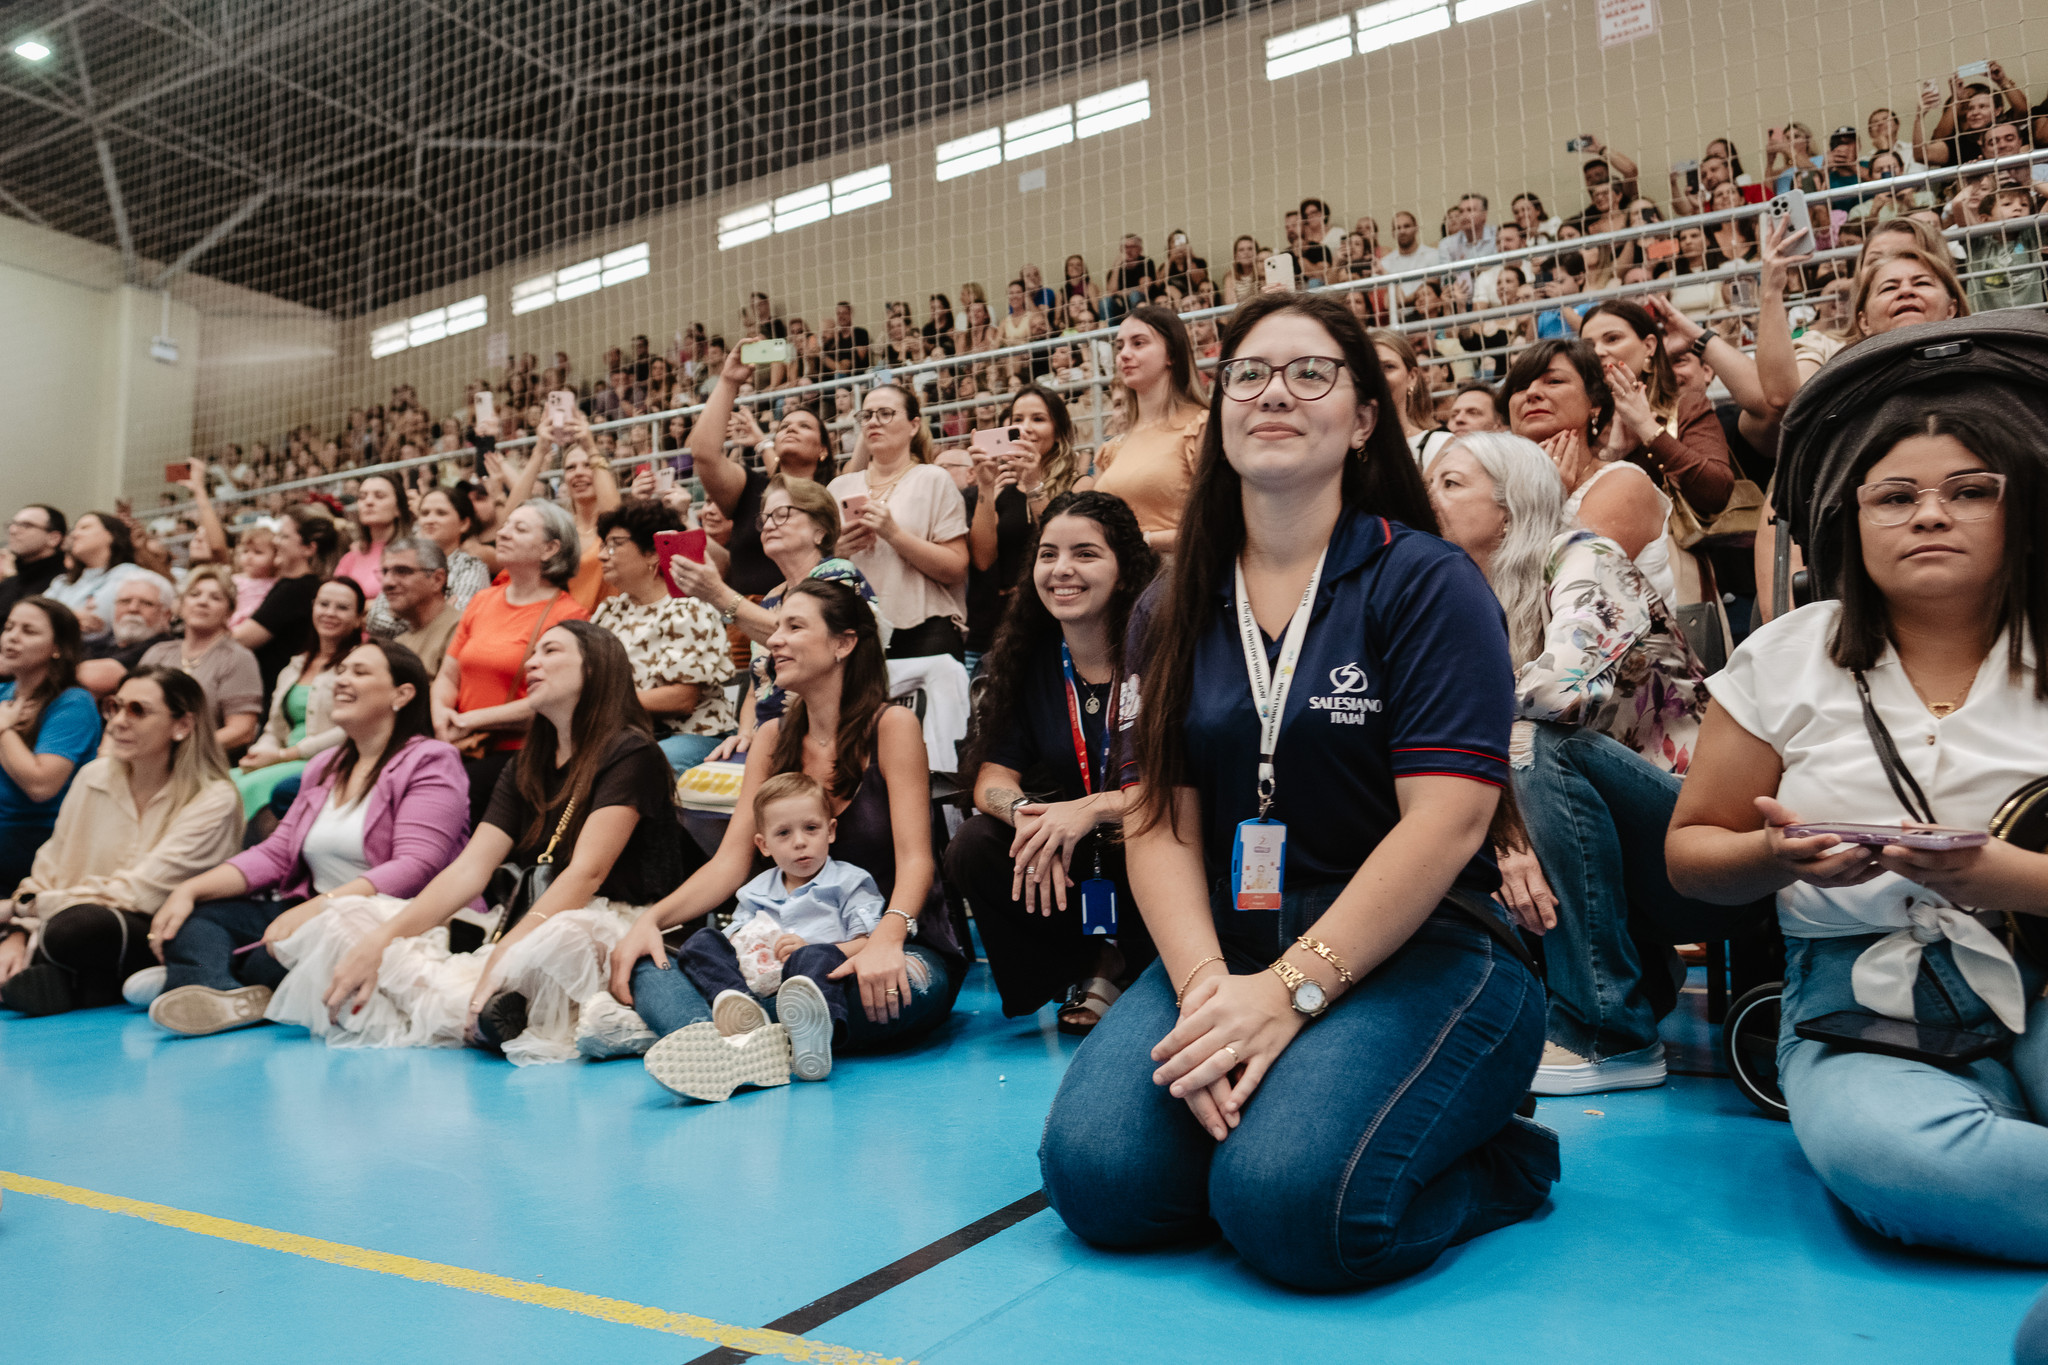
point(1307, 377)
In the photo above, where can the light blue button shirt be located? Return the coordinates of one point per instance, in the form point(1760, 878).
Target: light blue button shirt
point(840, 903)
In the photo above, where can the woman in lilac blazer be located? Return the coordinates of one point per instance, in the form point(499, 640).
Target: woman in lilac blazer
point(379, 815)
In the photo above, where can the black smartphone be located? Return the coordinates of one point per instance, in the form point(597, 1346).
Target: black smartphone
point(1860, 1032)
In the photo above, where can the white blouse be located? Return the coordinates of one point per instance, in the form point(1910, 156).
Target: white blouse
point(333, 850)
point(1782, 687)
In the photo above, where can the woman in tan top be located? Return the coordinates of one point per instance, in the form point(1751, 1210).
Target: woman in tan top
point(154, 810)
point(1151, 463)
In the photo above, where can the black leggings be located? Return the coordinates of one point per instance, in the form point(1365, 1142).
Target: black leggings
point(98, 948)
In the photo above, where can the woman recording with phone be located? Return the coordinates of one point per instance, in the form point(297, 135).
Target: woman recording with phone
point(1014, 482)
point(1916, 695)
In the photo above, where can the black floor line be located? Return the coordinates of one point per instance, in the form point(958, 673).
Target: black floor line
point(849, 1297)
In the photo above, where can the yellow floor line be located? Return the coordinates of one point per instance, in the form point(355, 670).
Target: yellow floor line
point(757, 1340)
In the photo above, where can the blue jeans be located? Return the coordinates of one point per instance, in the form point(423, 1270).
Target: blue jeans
point(687, 751)
point(1385, 1133)
point(680, 994)
point(1922, 1154)
point(1597, 812)
point(203, 952)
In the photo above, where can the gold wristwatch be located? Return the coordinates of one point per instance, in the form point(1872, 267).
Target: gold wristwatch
point(1304, 992)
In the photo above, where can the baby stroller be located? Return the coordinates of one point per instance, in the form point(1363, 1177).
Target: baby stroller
point(1994, 360)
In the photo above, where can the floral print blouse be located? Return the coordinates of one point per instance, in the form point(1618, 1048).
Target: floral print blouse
point(676, 640)
point(1613, 659)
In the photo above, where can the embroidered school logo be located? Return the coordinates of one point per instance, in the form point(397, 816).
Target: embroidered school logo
point(1344, 706)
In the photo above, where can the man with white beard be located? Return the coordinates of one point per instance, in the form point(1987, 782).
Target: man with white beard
point(142, 617)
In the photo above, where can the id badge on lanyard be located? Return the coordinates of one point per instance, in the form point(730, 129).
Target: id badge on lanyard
point(1098, 893)
point(1258, 856)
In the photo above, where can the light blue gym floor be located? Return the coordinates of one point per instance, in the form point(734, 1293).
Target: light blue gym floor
point(1687, 1228)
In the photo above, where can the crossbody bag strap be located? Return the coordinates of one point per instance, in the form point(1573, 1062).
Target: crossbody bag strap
point(541, 625)
point(547, 855)
point(1904, 785)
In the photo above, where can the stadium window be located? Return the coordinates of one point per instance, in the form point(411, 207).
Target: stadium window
point(1307, 48)
point(424, 328)
point(1397, 21)
point(1019, 138)
point(800, 208)
point(584, 277)
point(1116, 108)
point(975, 152)
point(741, 226)
point(1468, 10)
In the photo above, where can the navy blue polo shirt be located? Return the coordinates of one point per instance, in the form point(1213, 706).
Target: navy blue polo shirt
point(1038, 741)
point(1404, 672)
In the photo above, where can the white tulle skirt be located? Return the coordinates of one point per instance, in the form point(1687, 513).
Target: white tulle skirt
point(423, 990)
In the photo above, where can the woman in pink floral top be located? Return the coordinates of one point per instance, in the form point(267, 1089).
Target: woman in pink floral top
point(1609, 698)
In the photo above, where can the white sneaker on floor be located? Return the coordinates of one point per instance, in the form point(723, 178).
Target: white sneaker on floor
point(605, 1028)
point(701, 1063)
point(737, 1012)
point(1564, 1072)
point(199, 1010)
point(800, 1006)
point(143, 987)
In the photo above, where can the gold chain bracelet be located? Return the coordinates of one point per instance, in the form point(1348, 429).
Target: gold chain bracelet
point(1322, 950)
point(1189, 979)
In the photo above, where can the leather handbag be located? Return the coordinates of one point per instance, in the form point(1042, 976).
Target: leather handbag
point(516, 889)
point(1736, 524)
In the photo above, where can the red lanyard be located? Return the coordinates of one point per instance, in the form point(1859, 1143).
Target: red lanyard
point(1074, 720)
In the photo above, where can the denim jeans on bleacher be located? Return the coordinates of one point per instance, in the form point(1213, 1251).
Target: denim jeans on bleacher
point(1385, 1133)
point(1597, 812)
point(667, 1000)
point(1946, 1158)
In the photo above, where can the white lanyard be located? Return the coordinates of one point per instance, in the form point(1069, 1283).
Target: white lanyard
point(1269, 689)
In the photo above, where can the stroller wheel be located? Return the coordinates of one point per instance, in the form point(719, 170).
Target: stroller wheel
point(1749, 1048)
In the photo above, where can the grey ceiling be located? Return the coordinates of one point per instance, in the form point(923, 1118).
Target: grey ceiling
point(347, 153)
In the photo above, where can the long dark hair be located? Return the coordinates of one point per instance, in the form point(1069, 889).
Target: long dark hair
point(459, 502)
point(414, 720)
point(1029, 631)
point(1584, 360)
point(863, 687)
point(67, 651)
point(313, 650)
point(1180, 361)
point(1663, 385)
point(401, 519)
point(608, 705)
point(1865, 627)
point(1383, 481)
point(1061, 467)
point(122, 551)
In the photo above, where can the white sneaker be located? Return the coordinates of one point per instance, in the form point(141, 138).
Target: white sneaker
point(737, 1012)
point(200, 1010)
point(605, 1028)
point(1564, 1072)
point(143, 987)
point(703, 1064)
point(800, 1006)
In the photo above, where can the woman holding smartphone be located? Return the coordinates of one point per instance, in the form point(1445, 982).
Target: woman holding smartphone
point(1933, 644)
point(1327, 1058)
point(1013, 484)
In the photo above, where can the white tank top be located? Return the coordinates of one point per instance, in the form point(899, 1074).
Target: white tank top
point(333, 850)
point(1654, 562)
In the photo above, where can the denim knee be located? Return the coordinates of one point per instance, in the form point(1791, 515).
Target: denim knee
point(664, 997)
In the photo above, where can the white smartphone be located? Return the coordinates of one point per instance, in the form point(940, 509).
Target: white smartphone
point(1280, 269)
point(486, 405)
point(1970, 71)
point(1790, 209)
point(561, 408)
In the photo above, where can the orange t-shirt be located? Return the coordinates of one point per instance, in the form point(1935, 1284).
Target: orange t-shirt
point(588, 586)
point(491, 645)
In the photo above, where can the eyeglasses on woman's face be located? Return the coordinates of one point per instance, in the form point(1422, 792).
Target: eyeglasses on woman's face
point(879, 417)
point(1961, 497)
point(773, 517)
point(1307, 377)
point(113, 708)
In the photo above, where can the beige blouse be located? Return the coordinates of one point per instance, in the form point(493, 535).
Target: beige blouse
point(1152, 469)
point(105, 852)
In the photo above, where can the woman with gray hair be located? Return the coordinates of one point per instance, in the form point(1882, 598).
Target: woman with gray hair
point(1608, 699)
point(480, 703)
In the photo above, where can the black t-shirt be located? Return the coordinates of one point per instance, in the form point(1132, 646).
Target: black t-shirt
point(936, 340)
point(985, 600)
point(1131, 274)
point(752, 572)
point(29, 580)
point(287, 613)
point(848, 348)
point(633, 774)
point(128, 656)
point(1038, 740)
point(1183, 280)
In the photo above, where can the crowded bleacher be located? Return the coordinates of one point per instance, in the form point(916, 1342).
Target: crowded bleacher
point(713, 706)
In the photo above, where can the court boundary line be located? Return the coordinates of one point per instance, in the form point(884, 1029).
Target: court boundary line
point(750, 1341)
point(848, 1297)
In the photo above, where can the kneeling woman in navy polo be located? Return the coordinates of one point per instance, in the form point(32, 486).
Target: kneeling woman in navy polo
point(1327, 1057)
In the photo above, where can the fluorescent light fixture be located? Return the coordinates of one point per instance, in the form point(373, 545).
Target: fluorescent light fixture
point(975, 152)
point(1398, 21)
point(749, 224)
point(1468, 10)
point(31, 50)
point(1053, 128)
point(1116, 108)
point(1307, 48)
point(862, 188)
